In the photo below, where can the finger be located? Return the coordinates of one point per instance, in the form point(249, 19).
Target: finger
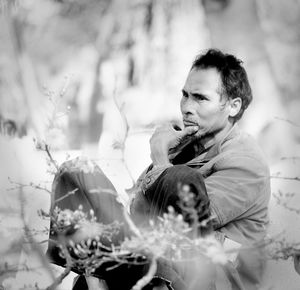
point(164, 126)
point(176, 127)
point(190, 130)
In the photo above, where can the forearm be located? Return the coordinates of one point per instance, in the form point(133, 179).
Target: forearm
point(139, 205)
point(166, 138)
point(159, 154)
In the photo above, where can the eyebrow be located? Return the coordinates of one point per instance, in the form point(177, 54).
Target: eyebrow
point(195, 95)
point(184, 92)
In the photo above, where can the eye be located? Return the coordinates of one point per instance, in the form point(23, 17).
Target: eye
point(200, 97)
point(184, 94)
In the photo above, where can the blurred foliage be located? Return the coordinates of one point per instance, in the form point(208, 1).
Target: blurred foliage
point(143, 41)
point(138, 52)
point(135, 37)
point(281, 23)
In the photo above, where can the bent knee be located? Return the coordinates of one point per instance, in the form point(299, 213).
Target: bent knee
point(79, 164)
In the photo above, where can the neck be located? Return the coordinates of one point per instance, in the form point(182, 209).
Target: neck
point(211, 139)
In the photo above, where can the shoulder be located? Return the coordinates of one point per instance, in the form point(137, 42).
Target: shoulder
point(242, 150)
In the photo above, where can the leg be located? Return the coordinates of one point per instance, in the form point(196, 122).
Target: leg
point(170, 190)
point(93, 191)
point(72, 187)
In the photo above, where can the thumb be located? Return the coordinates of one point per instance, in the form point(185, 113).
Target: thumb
point(187, 131)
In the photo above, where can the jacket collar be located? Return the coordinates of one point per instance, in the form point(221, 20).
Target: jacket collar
point(215, 148)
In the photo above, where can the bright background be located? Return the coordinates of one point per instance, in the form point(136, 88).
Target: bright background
point(70, 71)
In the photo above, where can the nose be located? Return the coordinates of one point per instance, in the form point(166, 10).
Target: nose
point(186, 106)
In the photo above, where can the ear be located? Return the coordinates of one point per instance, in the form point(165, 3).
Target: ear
point(235, 106)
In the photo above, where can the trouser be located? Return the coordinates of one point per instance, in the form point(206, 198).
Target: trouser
point(94, 191)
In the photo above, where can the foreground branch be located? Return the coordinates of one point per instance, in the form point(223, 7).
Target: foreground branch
point(148, 277)
point(67, 270)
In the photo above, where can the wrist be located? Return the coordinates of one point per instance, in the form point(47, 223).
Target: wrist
point(159, 154)
point(160, 160)
point(160, 157)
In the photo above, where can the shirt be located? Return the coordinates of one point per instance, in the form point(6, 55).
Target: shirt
point(237, 181)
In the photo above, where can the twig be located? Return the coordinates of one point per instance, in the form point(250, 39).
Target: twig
point(31, 184)
point(55, 99)
point(35, 246)
point(50, 157)
point(286, 177)
point(285, 203)
point(131, 224)
point(16, 268)
point(67, 270)
point(35, 233)
point(290, 158)
point(124, 118)
point(148, 277)
point(282, 249)
point(66, 195)
point(103, 190)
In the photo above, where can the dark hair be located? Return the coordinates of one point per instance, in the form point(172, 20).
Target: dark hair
point(234, 77)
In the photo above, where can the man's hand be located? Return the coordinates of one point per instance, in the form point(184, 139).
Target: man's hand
point(166, 138)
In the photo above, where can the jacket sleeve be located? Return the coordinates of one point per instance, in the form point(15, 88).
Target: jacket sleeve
point(139, 204)
point(234, 186)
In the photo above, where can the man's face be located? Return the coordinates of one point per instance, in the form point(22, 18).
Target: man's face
point(202, 104)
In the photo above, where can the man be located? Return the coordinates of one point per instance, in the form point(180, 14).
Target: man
point(236, 176)
point(214, 97)
point(222, 166)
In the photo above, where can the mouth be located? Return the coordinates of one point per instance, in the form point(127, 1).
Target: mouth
point(188, 123)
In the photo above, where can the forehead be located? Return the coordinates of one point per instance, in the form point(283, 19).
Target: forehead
point(203, 80)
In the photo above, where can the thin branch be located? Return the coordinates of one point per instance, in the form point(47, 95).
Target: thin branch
point(67, 270)
point(35, 233)
point(31, 184)
point(290, 158)
point(280, 249)
point(131, 224)
point(296, 178)
point(16, 268)
point(103, 190)
point(66, 195)
point(285, 203)
point(148, 277)
point(50, 157)
point(124, 118)
point(35, 246)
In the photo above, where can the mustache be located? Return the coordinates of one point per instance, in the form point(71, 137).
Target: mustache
point(190, 122)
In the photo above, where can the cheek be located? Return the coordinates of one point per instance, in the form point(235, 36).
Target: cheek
point(207, 113)
point(211, 119)
point(218, 119)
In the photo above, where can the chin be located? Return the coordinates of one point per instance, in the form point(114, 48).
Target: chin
point(200, 133)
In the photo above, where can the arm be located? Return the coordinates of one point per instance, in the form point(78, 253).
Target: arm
point(164, 139)
point(237, 183)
